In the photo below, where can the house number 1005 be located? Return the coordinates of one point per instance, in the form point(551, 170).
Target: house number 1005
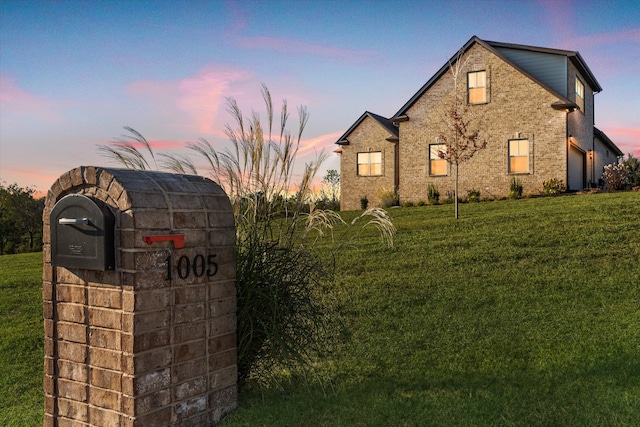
point(198, 266)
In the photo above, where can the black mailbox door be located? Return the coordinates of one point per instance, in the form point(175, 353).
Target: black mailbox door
point(82, 234)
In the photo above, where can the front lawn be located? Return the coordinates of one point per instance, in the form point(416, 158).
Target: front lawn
point(521, 313)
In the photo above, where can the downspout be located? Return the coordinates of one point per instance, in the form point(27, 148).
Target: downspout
point(396, 178)
point(593, 139)
point(566, 146)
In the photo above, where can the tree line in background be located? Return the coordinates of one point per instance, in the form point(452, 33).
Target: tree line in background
point(20, 220)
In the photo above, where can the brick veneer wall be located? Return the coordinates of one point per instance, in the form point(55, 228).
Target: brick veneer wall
point(516, 106)
point(368, 136)
point(129, 347)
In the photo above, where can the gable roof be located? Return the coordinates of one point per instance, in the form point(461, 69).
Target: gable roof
point(597, 133)
point(575, 58)
point(382, 121)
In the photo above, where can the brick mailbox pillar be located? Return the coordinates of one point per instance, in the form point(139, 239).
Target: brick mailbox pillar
point(139, 300)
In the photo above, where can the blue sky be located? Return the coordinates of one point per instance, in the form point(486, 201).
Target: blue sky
point(74, 73)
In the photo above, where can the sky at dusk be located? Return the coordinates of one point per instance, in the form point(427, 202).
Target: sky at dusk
point(74, 73)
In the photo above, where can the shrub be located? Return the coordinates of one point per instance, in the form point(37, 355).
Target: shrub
point(515, 188)
point(421, 202)
point(364, 202)
point(633, 171)
point(473, 195)
point(388, 198)
point(615, 176)
point(553, 186)
point(325, 203)
point(408, 204)
point(433, 195)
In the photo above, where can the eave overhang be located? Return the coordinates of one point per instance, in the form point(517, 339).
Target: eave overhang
point(568, 106)
point(386, 124)
point(597, 133)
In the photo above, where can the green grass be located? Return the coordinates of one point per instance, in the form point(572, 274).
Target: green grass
point(521, 313)
point(21, 340)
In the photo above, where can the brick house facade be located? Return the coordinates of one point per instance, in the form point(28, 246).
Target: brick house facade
point(534, 107)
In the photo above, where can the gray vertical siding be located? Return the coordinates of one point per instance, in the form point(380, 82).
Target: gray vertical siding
point(548, 68)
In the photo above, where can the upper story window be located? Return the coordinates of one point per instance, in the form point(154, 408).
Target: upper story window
point(580, 94)
point(370, 163)
point(437, 166)
point(518, 156)
point(477, 86)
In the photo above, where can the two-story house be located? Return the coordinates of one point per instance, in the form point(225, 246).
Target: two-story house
point(534, 106)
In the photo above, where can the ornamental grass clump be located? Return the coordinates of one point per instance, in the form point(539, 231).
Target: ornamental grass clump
point(286, 317)
point(515, 188)
point(433, 195)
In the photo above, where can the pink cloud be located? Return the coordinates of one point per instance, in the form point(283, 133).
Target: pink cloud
point(632, 35)
point(295, 46)
point(559, 14)
point(156, 144)
point(199, 97)
point(15, 100)
point(36, 178)
point(317, 144)
point(202, 95)
point(239, 19)
point(561, 17)
point(627, 139)
point(153, 89)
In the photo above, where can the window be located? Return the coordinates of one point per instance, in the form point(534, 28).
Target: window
point(370, 163)
point(518, 156)
point(477, 83)
point(580, 94)
point(437, 166)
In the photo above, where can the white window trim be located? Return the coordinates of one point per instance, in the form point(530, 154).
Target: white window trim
point(469, 87)
point(446, 172)
point(368, 153)
point(528, 171)
point(583, 97)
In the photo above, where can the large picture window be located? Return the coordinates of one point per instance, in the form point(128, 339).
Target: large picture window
point(370, 163)
point(437, 166)
point(477, 84)
point(519, 156)
point(580, 94)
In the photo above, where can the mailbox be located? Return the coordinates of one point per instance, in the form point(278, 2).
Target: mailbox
point(82, 234)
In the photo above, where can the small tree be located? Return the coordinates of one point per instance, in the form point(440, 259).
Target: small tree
point(461, 137)
point(633, 170)
point(331, 182)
